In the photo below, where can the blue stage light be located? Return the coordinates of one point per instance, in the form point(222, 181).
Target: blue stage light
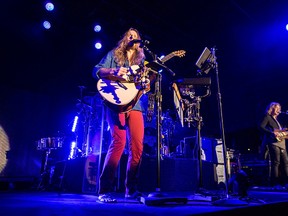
point(97, 28)
point(49, 6)
point(46, 24)
point(98, 45)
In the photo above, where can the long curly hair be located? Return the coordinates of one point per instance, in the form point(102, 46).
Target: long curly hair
point(120, 50)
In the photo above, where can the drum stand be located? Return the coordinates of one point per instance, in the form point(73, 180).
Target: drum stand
point(193, 115)
point(45, 171)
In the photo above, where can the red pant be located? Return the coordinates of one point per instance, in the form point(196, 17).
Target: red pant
point(123, 126)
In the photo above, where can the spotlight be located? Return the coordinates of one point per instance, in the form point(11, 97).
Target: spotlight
point(98, 45)
point(46, 24)
point(97, 28)
point(49, 6)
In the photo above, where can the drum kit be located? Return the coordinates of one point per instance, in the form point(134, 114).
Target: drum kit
point(85, 140)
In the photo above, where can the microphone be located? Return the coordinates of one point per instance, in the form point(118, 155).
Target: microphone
point(142, 42)
point(286, 112)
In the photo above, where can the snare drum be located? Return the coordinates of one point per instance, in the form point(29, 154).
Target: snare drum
point(50, 143)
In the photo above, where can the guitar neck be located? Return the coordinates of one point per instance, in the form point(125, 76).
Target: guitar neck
point(167, 57)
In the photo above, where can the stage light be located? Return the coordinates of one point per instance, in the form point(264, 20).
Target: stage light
point(75, 122)
point(46, 24)
point(98, 45)
point(97, 28)
point(287, 27)
point(49, 6)
point(72, 150)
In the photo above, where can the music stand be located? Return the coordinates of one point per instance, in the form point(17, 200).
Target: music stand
point(205, 61)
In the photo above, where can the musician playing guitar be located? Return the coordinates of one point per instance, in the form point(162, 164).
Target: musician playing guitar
point(114, 67)
point(123, 80)
point(274, 140)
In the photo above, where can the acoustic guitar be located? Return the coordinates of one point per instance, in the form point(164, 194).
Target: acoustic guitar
point(121, 96)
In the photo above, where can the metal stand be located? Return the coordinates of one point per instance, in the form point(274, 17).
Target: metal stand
point(158, 198)
point(228, 201)
point(159, 126)
point(189, 87)
point(85, 113)
point(198, 119)
point(158, 97)
point(45, 172)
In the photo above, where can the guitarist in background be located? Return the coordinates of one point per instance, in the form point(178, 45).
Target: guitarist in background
point(113, 66)
point(275, 143)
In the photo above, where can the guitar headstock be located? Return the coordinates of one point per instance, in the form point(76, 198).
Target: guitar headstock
point(179, 53)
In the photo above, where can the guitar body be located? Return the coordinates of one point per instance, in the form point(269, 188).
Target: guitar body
point(282, 134)
point(121, 96)
point(126, 107)
point(114, 93)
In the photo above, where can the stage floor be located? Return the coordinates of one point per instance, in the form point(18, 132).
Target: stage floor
point(260, 200)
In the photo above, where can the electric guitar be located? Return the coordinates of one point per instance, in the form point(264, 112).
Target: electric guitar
point(282, 134)
point(121, 96)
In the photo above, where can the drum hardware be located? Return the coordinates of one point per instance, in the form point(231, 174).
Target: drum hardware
point(45, 171)
point(47, 144)
point(168, 128)
point(86, 113)
point(150, 135)
point(188, 94)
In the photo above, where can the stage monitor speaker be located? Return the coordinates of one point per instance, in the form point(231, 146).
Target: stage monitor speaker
point(79, 175)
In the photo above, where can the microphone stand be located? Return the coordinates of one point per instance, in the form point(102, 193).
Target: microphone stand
point(158, 198)
point(228, 201)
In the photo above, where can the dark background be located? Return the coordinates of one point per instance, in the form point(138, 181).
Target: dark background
point(42, 70)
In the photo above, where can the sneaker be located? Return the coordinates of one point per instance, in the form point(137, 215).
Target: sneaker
point(134, 195)
point(106, 198)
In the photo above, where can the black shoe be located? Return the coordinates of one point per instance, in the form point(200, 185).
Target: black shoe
point(106, 198)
